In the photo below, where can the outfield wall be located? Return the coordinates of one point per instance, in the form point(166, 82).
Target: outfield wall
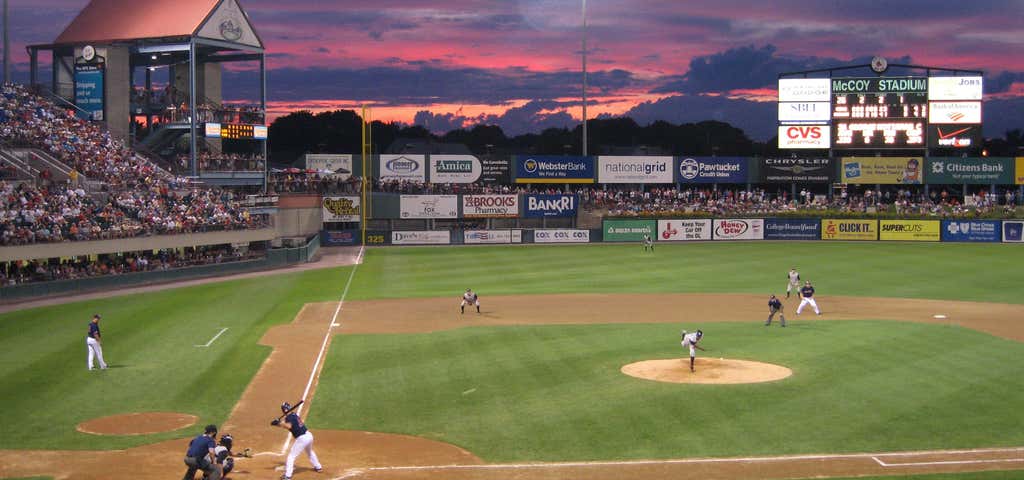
point(669, 230)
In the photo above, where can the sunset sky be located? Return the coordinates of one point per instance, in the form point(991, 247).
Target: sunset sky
point(516, 63)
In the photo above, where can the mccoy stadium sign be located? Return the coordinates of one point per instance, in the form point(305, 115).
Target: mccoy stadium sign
point(879, 85)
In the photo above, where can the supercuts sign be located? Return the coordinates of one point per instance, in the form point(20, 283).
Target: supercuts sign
point(804, 136)
point(786, 170)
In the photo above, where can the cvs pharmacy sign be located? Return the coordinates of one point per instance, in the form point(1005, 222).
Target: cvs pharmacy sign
point(804, 136)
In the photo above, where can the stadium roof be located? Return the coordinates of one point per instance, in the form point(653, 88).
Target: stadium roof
point(104, 21)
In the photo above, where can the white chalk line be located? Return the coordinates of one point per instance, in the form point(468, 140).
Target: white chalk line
point(945, 462)
point(612, 463)
point(323, 346)
point(215, 337)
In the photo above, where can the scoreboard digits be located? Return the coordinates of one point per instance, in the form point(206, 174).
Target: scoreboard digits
point(236, 131)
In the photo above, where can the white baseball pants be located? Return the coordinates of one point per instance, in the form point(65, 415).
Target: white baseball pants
point(95, 350)
point(792, 286)
point(808, 301)
point(303, 443)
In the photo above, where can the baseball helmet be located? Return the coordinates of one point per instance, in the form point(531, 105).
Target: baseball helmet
point(700, 334)
point(285, 407)
point(226, 440)
point(211, 428)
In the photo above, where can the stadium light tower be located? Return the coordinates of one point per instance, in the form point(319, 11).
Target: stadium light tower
point(584, 77)
point(7, 47)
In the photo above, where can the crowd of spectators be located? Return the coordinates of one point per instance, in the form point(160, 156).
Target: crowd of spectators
point(138, 198)
point(21, 272)
point(170, 105)
point(313, 182)
point(222, 162)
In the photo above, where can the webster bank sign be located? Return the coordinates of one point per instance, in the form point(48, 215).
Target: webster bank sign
point(553, 169)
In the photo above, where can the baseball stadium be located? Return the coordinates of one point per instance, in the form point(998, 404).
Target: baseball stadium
point(846, 305)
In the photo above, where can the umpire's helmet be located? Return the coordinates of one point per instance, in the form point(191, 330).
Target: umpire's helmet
point(285, 407)
point(226, 440)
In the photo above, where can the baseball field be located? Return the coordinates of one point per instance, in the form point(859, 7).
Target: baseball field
point(399, 384)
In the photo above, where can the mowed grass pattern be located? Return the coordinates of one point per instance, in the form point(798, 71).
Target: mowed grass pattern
point(148, 341)
point(980, 272)
point(547, 393)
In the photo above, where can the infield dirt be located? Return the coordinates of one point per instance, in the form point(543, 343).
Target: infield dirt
point(375, 455)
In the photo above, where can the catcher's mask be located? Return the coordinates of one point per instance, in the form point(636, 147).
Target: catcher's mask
point(226, 440)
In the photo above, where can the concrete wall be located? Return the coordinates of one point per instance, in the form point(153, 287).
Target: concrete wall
point(97, 247)
point(298, 222)
point(116, 88)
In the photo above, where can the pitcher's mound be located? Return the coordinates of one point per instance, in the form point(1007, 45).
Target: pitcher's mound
point(709, 370)
point(141, 423)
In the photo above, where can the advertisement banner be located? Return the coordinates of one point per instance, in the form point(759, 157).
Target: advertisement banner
point(561, 235)
point(426, 237)
point(553, 169)
point(612, 169)
point(971, 230)
point(683, 230)
point(800, 170)
point(339, 238)
point(1013, 231)
point(90, 95)
point(1020, 171)
point(713, 170)
point(976, 170)
point(454, 168)
point(492, 236)
point(628, 230)
point(429, 206)
point(958, 113)
point(803, 112)
point(884, 170)
point(403, 167)
point(537, 205)
point(341, 209)
point(805, 136)
point(792, 229)
point(909, 230)
point(340, 166)
point(804, 90)
point(955, 88)
point(490, 206)
point(738, 229)
point(835, 229)
point(954, 136)
point(495, 170)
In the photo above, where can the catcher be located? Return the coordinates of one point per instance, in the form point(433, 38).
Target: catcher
point(222, 456)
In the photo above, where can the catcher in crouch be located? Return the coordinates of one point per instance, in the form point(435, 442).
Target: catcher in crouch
point(690, 341)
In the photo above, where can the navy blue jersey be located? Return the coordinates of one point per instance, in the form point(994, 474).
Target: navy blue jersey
point(298, 428)
point(807, 291)
point(200, 446)
point(94, 330)
point(775, 303)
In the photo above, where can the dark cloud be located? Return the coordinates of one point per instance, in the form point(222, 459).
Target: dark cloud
point(530, 118)
point(757, 119)
point(1001, 82)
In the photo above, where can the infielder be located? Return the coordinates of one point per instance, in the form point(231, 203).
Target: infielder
point(807, 292)
point(690, 341)
point(794, 281)
point(775, 306)
point(92, 342)
point(303, 441)
point(648, 242)
point(470, 298)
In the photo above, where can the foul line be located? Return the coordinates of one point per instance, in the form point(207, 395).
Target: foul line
point(323, 346)
point(874, 456)
point(214, 338)
point(946, 462)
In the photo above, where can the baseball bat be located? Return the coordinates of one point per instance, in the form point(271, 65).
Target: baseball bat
point(290, 410)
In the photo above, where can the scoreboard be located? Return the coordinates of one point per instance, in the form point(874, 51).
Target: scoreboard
point(236, 131)
point(880, 113)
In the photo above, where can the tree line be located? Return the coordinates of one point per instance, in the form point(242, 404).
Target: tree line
point(338, 131)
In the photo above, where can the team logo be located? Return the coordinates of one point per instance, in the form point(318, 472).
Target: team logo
point(689, 168)
point(403, 164)
point(530, 165)
point(230, 30)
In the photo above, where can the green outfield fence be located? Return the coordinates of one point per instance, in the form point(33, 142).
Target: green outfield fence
point(276, 258)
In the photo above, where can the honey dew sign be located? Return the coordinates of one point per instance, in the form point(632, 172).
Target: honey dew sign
point(341, 209)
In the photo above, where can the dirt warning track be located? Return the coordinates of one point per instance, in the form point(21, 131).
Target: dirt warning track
point(385, 456)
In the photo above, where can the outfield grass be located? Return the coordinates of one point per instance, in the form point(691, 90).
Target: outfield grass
point(148, 341)
point(556, 392)
point(149, 337)
point(988, 273)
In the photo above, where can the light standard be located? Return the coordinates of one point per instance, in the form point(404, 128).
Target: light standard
point(584, 77)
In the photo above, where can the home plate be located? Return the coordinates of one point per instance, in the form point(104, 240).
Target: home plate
point(939, 316)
